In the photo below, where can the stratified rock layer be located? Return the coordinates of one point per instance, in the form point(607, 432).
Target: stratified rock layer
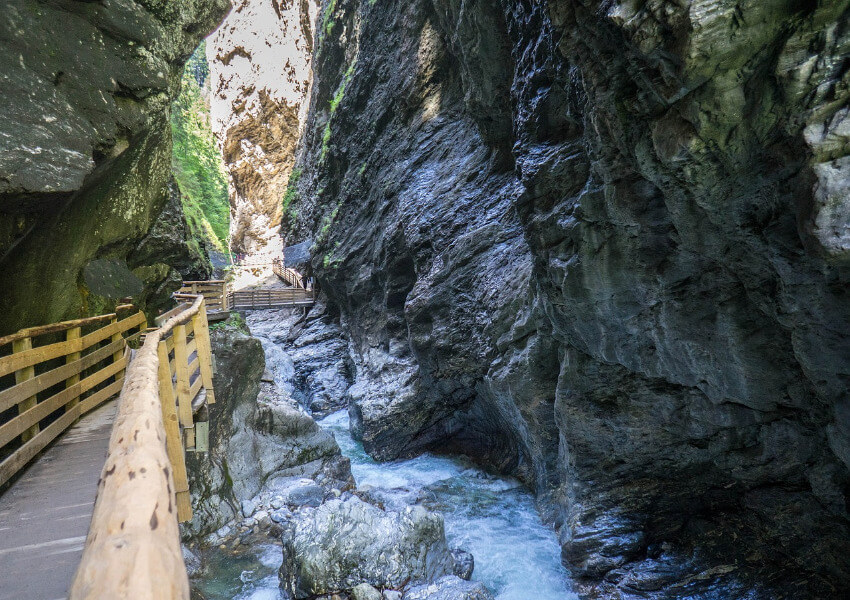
point(603, 246)
point(85, 150)
point(260, 73)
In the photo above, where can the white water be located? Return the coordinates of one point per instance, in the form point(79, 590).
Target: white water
point(516, 556)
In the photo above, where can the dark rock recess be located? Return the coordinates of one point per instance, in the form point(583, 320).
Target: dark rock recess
point(603, 246)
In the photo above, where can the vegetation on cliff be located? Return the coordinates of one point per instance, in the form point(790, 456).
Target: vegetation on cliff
point(196, 160)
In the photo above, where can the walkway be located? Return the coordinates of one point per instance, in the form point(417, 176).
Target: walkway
point(45, 515)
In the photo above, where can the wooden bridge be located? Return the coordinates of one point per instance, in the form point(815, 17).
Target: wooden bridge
point(221, 300)
point(60, 378)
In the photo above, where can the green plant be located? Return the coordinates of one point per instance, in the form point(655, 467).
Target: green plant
point(234, 321)
point(196, 160)
point(327, 18)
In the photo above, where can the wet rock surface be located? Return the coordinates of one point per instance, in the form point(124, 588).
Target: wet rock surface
point(346, 542)
point(265, 454)
point(601, 246)
point(449, 588)
point(273, 476)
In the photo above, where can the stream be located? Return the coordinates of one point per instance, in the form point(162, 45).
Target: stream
point(516, 556)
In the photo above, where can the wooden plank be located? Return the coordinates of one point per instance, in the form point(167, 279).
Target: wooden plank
point(22, 346)
point(31, 332)
point(73, 334)
point(196, 387)
point(181, 368)
point(171, 313)
point(193, 367)
point(202, 339)
point(24, 421)
point(14, 362)
point(174, 447)
point(39, 411)
point(119, 353)
point(11, 396)
point(101, 396)
point(25, 453)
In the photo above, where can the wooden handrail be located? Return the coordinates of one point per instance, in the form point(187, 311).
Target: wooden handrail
point(32, 332)
point(91, 374)
point(133, 546)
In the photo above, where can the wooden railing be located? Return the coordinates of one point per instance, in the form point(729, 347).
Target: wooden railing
point(254, 299)
point(61, 372)
point(133, 546)
point(213, 291)
point(287, 274)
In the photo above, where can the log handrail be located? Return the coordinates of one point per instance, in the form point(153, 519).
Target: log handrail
point(133, 546)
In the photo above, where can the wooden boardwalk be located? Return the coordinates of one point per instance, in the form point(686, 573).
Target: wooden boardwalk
point(45, 515)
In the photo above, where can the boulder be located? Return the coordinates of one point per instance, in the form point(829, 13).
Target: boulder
point(450, 587)
point(346, 542)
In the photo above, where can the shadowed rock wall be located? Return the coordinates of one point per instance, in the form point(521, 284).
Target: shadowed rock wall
point(602, 246)
point(85, 150)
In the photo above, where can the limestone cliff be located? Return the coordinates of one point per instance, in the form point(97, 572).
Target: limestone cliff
point(603, 246)
point(85, 150)
point(260, 69)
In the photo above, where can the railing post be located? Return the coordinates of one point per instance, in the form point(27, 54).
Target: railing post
point(21, 376)
point(118, 354)
point(173, 443)
point(73, 334)
point(184, 399)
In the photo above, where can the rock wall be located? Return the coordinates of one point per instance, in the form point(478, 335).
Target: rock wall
point(260, 68)
point(602, 246)
point(84, 143)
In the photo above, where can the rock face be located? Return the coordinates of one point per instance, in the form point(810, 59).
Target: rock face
point(449, 588)
point(602, 246)
point(345, 543)
point(84, 142)
point(263, 449)
point(260, 68)
point(316, 360)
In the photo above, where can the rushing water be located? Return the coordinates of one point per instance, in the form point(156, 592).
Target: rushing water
point(516, 556)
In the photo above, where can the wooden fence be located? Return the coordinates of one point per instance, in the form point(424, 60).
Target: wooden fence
point(290, 276)
point(133, 546)
point(253, 299)
point(213, 291)
point(61, 372)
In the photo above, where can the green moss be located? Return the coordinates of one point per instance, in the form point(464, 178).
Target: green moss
point(334, 104)
point(290, 198)
point(234, 321)
point(196, 159)
point(327, 18)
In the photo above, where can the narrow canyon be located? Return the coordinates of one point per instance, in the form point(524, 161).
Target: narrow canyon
point(581, 267)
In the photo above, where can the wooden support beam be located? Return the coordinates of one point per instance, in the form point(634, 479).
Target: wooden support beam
point(119, 354)
point(24, 345)
point(173, 442)
point(184, 395)
point(73, 334)
point(202, 341)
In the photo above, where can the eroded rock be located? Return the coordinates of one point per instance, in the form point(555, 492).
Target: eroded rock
point(347, 542)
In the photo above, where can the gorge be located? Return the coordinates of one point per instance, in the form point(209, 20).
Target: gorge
point(600, 248)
